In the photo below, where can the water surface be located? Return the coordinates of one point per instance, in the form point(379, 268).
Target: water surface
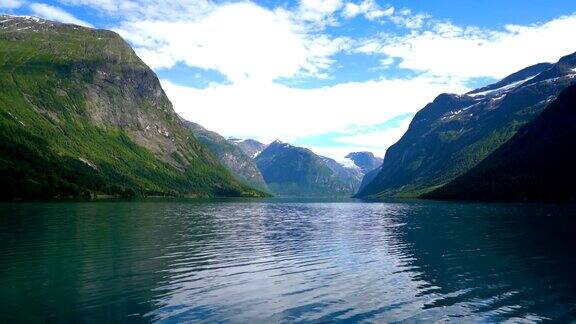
point(286, 261)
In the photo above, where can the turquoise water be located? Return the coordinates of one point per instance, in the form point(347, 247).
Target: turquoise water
point(286, 261)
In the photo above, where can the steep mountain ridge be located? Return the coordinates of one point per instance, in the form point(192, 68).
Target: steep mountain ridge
point(537, 163)
point(81, 114)
point(455, 132)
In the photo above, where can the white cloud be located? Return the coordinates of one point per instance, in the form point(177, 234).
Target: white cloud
point(408, 20)
point(387, 61)
point(379, 139)
point(132, 10)
point(450, 50)
point(351, 10)
point(11, 4)
point(241, 41)
point(268, 111)
point(376, 141)
point(368, 8)
point(55, 13)
point(318, 11)
point(108, 5)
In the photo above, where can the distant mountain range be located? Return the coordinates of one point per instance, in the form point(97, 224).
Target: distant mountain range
point(454, 133)
point(537, 163)
point(298, 172)
point(231, 155)
point(294, 171)
point(81, 115)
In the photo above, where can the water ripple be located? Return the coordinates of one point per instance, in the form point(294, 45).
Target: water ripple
point(187, 261)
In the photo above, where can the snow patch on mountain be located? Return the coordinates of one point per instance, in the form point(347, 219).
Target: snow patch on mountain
point(506, 88)
point(348, 163)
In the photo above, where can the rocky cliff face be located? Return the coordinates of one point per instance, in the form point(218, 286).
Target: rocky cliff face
point(82, 114)
point(455, 132)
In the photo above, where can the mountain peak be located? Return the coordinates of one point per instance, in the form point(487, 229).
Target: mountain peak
point(250, 147)
point(10, 23)
point(517, 171)
point(454, 133)
point(279, 144)
point(360, 154)
point(569, 59)
point(297, 171)
point(512, 81)
point(366, 161)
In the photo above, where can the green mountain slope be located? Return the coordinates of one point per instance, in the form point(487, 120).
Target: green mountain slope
point(455, 132)
point(536, 164)
point(295, 171)
point(81, 114)
point(232, 156)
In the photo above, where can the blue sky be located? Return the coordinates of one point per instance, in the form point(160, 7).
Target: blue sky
point(332, 75)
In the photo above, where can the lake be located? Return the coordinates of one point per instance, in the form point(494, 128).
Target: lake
point(286, 261)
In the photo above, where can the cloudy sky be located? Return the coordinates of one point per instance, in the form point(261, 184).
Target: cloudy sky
point(332, 75)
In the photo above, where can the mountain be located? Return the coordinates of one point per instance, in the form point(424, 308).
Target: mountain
point(295, 171)
point(232, 156)
point(251, 147)
point(455, 132)
point(350, 176)
point(366, 161)
point(368, 164)
point(537, 163)
point(82, 115)
point(368, 178)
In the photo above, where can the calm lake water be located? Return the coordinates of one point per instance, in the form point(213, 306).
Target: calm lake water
point(286, 261)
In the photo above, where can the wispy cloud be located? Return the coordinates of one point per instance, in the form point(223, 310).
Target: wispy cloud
point(241, 40)
point(11, 4)
point(318, 12)
point(130, 10)
point(445, 49)
point(377, 140)
point(54, 13)
point(269, 110)
point(367, 8)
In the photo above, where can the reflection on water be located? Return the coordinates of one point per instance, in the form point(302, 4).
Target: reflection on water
point(286, 261)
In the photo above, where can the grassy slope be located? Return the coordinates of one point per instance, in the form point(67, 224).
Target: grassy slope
point(45, 132)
